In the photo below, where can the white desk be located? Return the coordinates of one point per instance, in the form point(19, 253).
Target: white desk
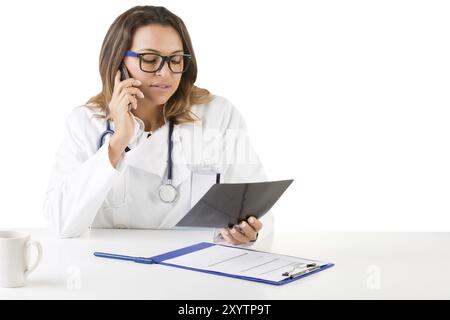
point(368, 266)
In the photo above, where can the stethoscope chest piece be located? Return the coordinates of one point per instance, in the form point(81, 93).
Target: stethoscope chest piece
point(167, 192)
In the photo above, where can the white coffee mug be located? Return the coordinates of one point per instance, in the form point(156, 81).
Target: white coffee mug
point(15, 258)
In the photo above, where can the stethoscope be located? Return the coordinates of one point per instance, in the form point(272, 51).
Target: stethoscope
point(167, 191)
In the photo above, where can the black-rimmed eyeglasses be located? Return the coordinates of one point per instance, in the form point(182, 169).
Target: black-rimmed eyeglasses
point(153, 62)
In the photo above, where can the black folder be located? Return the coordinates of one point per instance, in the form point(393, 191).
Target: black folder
point(229, 203)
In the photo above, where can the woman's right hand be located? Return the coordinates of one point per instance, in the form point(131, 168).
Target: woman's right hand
point(124, 93)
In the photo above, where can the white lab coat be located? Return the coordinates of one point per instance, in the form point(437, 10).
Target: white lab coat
point(86, 191)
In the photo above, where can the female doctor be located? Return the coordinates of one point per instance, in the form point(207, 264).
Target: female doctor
point(144, 150)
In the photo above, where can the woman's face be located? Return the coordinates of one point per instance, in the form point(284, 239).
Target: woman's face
point(163, 40)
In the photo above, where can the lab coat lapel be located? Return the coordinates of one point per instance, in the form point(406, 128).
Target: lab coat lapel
point(151, 155)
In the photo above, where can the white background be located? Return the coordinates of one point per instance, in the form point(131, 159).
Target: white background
point(349, 98)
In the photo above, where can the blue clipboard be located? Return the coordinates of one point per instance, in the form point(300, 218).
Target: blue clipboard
point(200, 246)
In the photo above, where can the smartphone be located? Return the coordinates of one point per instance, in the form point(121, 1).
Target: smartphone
point(124, 75)
point(124, 72)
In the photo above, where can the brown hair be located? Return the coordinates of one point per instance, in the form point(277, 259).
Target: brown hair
point(119, 39)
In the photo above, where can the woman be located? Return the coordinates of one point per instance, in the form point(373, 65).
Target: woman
point(113, 167)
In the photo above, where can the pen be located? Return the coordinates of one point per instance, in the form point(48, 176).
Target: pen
point(121, 257)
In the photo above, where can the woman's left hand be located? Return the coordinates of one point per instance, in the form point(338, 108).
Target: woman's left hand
point(245, 232)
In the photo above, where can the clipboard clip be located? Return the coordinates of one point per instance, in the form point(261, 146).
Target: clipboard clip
point(300, 269)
